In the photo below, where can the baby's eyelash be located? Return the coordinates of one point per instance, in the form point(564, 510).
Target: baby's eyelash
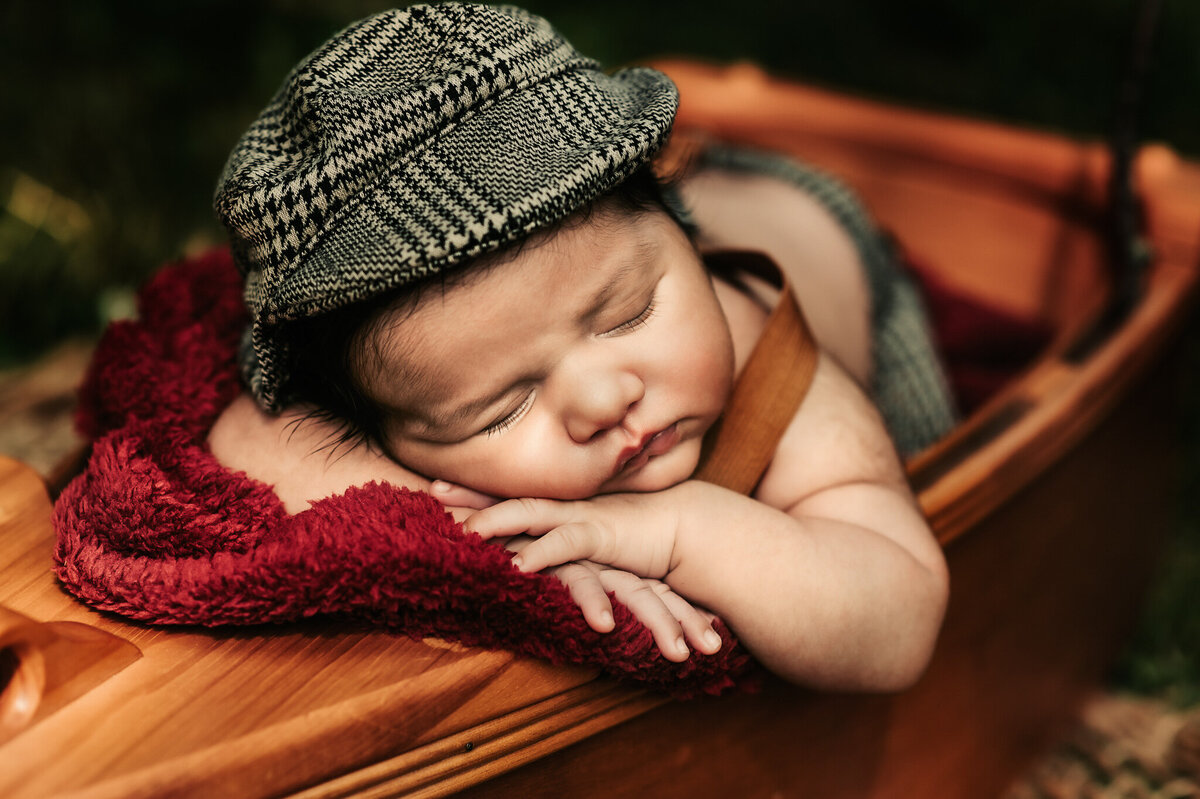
point(639, 320)
point(508, 421)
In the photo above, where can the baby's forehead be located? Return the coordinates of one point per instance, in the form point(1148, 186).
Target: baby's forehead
point(583, 237)
point(417, 348)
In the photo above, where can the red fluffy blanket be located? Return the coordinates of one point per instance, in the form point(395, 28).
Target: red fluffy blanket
point(156, 530)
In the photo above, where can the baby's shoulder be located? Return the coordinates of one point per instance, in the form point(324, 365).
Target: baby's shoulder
point(835, 437)
point(299, 454)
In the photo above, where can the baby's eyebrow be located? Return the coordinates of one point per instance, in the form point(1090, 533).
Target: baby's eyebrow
point(637, 262)
point(605, 294)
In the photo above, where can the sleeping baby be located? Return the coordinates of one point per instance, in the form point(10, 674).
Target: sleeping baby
point(465, 277)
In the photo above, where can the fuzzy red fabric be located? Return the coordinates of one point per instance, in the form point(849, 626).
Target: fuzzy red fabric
point(156, 530)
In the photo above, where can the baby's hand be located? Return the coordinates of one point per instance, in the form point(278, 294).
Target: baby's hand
point(633, 532)
point(671, 619)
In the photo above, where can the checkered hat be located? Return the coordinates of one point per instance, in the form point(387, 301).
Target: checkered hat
point(413, 141)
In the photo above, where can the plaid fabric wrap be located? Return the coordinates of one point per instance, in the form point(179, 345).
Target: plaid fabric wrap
point(415, 140)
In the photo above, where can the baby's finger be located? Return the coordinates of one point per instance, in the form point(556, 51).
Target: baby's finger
point(452, 494)
point(648, 608)
point(584, 584)
point(461, 514)
point(514, 516)
point(513, 543)
point(696, 624)
point(563, 544)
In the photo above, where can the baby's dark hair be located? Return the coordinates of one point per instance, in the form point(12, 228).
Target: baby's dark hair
point(323, 349)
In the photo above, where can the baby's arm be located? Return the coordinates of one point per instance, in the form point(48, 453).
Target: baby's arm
point(830, 575)
point(671, 619)
point(297, 457)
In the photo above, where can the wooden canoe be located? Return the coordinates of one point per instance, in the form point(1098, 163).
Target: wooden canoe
point(1050, 501)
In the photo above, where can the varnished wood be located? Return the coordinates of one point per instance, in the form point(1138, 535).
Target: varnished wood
point(1048, 500)
point(51, 664)
point(258, 712)
point(998, 212)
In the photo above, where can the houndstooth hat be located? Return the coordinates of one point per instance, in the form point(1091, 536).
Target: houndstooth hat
point(410, 142)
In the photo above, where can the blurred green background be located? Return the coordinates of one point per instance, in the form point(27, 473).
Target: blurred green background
point(119, 115)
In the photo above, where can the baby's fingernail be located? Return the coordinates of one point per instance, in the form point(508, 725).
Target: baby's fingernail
point(516, 561)
point(681, 647)
point(440, 487)
point(712, 639)
point(606, 619)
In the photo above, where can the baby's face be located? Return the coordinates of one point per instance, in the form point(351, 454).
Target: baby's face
point(592, 363)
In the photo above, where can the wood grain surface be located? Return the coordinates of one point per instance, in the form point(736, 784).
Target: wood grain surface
point(264, 711)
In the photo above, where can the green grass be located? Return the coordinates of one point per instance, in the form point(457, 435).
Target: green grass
point(1163, 657)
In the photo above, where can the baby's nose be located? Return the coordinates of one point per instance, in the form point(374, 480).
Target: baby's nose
point(600, 402)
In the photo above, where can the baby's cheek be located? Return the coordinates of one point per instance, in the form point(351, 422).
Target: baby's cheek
point(707, 358)
point(548, 484)
point(710, 382)
point(554, 476)
point(529, 465)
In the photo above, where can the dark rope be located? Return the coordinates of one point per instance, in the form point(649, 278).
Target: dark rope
point(1127, 251)
point(1128, 254)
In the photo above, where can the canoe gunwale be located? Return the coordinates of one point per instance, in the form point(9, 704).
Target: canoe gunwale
point(1052, 407)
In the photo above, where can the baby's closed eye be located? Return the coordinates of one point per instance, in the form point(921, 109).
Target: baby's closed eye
point(637, 321)
point(510, 418)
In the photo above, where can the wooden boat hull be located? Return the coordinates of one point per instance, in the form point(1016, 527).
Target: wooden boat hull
point(1050, 501)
